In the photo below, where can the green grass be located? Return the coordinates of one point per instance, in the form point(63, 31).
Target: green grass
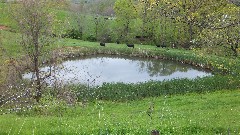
point(11, 47)
point(4, 16)
point(208, 113)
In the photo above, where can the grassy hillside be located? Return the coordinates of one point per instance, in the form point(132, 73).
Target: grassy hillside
point(203, 114)
point(4, 16)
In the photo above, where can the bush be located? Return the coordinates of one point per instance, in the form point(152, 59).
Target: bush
point(74, 34)
point(91, 38)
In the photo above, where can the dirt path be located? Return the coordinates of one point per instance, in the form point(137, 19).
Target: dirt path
point(2, 27)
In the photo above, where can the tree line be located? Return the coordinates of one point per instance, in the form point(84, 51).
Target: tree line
point(208, 24)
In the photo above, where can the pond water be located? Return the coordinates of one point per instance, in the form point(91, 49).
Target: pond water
point(95, 70)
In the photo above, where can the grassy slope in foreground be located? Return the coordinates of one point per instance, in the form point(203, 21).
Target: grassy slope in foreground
point(209, 113)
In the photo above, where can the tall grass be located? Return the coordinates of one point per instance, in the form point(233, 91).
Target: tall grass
point(126, 92)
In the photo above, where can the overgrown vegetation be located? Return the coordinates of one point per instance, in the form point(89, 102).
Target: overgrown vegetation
point(126, 92)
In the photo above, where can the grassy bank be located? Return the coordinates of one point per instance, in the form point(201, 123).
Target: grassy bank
point(209, 113)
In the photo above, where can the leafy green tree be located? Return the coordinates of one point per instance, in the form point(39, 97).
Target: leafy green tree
point(196, 17)
point(78, 14)
point(125, 11)
point(220, 27)
point(187, 14)
point(149, 14)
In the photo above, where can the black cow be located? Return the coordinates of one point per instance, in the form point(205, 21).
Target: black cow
point(102, 44)
point(130, 45)
point(158, 45)
point(163, 45)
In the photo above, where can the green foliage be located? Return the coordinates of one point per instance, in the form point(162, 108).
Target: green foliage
point(125, 12)
point(91, 38)
point(126, 92)
point(48, 106)
point(125, 9)
point(222, 31)
point(74, 34)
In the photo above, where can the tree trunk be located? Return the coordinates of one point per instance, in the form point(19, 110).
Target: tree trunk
point(38, 81)
point(190, 31)
point(36, 68)
point(234, 49)
point(127, 28)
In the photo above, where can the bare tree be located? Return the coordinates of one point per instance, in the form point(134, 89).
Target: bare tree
point(35, 22)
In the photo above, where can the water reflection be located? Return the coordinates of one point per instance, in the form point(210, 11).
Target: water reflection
point(161, 67)
point(95, 70)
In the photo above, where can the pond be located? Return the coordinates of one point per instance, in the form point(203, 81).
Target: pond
point(96, 70)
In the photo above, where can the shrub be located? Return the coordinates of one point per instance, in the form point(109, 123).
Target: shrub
point(74, 34)
point(91, 38)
